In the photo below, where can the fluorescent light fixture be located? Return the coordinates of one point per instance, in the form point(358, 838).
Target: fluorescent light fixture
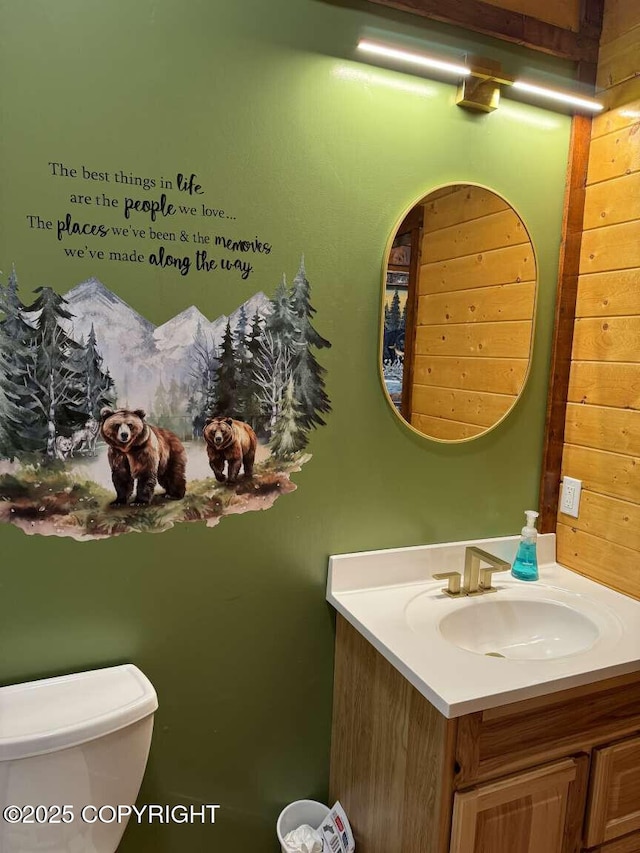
point(420, 59)
point(561, 97)
point(478, 70)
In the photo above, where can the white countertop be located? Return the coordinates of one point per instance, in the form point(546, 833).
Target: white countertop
point(373, 590)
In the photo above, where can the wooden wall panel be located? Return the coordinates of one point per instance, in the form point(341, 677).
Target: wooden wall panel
point(469, 407)
point(620, 16)
point(447, 430)
point(454, 206)
point(609, 294)
point(611, 519)
point(475, 307)
point(604, 384)
point(607, 338)
point(502, 302)
point(613, 474)
point(614, 247)
point(482, 340)
point(561, 13)
point(486, 269)
point(612, 202)
point(477, 235)
point(610, 564)
point(497, 375)
point(603, 428)
point(614, 154)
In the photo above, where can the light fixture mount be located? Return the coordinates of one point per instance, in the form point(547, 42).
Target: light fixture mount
point(481, 89)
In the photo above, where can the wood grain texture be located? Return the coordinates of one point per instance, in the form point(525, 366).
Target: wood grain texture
point(495, 231)
point(473, 306)
point(467, 407)
point(614, 802)
point(525, 813)
point(600, 559)
point(564, 13)
point(616, 118)
point(483, 340)
point(612, 474)
point(603, 428)
point(464, 203)
point(495, 375)
point(607, 339)
point(609, 294)
point(485, 269)
point(569, 266)
point(620, 17)
point(614, 247)
point(614, 520)
point(388, 752)
point(614, 155)
point(533, 732)
point(514, 27)
point(480, 305)
point(628, 844)
point(446, 430)
point(605, 384)
point(619, 59)
point(612, 202)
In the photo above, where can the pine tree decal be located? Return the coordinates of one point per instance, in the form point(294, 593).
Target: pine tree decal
point(226, 377)
point(53, 379)
point(289, 434)
point(96, 384)
point(11, 349)
point(308, 376)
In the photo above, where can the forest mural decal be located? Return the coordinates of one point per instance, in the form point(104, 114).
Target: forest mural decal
point(110, 425)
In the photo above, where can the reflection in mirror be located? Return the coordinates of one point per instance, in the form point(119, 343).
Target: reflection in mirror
point(459, 303)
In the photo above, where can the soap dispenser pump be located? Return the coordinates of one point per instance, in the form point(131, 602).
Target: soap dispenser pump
point(525, 565)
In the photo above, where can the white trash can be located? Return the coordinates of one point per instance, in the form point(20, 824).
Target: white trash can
point(298, 813)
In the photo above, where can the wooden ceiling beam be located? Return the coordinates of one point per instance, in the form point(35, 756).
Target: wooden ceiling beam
point(514, 27)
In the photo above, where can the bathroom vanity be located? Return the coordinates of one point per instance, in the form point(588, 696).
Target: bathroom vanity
point(439, 747)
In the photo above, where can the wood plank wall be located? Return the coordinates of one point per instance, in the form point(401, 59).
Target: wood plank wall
point(561, 13)
point(476, 297)
point(602, 437)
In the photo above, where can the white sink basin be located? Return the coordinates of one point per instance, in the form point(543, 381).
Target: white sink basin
point(473, 653)
point(519, 629)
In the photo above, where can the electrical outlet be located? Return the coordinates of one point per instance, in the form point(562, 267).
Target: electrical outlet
point(570, 499)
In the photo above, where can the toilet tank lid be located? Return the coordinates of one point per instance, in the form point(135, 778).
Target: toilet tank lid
point(56, 713)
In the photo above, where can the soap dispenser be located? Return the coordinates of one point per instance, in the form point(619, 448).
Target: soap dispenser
point(525, 565)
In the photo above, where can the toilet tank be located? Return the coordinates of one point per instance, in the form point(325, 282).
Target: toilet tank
point(78, 741)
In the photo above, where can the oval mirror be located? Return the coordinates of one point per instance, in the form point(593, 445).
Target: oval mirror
point(459, 295)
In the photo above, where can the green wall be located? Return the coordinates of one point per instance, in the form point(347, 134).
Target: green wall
point(317, 154)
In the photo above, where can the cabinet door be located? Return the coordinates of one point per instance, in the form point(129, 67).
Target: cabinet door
point(628, 844)
point(528, 813)
point(614, 795)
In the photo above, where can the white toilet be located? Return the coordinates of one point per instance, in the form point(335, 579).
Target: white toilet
point(79, 741)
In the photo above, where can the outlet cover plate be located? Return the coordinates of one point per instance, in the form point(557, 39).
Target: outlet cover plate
point(570, 498)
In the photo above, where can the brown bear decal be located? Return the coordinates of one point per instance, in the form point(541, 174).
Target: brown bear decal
point(230, 441)
point(142, 452)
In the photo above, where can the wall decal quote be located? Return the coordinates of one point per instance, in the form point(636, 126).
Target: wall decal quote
point(170, 214)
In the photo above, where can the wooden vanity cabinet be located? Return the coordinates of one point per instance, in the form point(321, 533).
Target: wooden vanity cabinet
point(614, 797)
point(534, 811)
point(554, 774)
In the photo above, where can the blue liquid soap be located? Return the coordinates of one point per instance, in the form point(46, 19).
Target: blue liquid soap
point(525, 565)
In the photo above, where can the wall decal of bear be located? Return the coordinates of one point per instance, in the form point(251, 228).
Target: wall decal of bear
point(110, 425)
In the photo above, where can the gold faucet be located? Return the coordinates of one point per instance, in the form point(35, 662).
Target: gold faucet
point(476, 581)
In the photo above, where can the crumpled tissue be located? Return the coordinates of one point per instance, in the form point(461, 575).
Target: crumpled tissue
point(304, 839)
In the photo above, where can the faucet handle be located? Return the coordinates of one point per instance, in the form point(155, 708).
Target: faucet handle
point(453, 586)
point(486, 574)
